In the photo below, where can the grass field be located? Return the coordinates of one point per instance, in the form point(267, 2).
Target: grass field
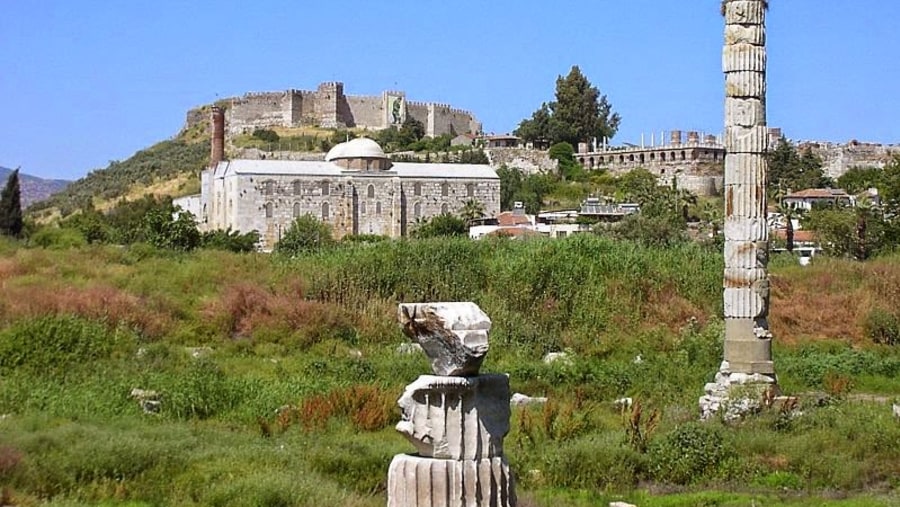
point(278, 377)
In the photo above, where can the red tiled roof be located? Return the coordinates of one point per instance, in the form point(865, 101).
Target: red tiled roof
point(514, 232)
point(801, 236)
point(508, 218)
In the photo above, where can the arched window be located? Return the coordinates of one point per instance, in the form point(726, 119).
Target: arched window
point(444, 209)
point(662, 156)
point(417, 189)
point(631, 157)
point(642, 158)
point(296, 209)
point(445, 189)
point(682, 154)
point(326, 188)
point(324, 211)
point(417, 210)
point(269, 187)
point(673, 155)
point(378, 208)
point(470, 190)
point(653, 156)
point(362, 207)
point(621, 159)
point(270, 210)
point(370, 192)
point(298, 188)
point(591, 162)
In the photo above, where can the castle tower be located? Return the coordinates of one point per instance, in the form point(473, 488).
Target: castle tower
point(748, 342)
point(217, 122)
point(328, 98)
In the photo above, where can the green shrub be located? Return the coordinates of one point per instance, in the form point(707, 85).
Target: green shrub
point(883, 327)
point(54, 342)
point(201, 392)
point(58, 238)
point(688, 454)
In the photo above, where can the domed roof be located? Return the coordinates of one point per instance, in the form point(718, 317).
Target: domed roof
point(361, 147)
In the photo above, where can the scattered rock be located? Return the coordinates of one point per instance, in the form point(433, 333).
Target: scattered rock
point(355, 353)
point(896, 409)
point(562, 357)
point(621, 504)
point(623, 403)
point(519, 399)
point(405, 349)
point(198, 352)
point(147, 399)
point(453, 335)
point(638, 359)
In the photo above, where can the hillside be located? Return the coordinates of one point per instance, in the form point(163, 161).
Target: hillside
point(157, 165)
point(34, 189)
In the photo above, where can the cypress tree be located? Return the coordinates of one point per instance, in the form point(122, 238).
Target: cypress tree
point(11, 207)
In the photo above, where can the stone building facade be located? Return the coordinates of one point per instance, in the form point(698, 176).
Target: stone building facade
point(695, 163)
point(329, 107)
point(357, 189)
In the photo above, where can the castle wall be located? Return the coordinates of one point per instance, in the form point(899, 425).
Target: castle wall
point(329, 107)
point(259, 110)
point(837, 159)
point(526, 160)
point(367, 111)
point(443, 119)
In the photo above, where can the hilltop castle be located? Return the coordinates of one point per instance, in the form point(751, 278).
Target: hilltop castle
point(329, 107)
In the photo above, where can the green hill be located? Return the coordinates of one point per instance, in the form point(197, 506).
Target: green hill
point(161, 162)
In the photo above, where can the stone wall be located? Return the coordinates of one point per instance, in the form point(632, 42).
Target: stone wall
point(526, 160)
point(367, 111)
point(355, 203)
point(839, 158)
point(329, 107)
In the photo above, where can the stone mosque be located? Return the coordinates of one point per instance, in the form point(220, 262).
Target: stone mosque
point(356, 189)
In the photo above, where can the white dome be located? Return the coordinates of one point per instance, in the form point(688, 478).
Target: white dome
point(361, 147)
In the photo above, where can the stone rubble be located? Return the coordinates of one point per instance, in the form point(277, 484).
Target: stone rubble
point(453, 335)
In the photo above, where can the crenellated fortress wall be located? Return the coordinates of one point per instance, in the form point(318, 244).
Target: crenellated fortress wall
point(329, 107)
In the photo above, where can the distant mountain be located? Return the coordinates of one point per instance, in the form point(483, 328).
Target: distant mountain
point(34, 189)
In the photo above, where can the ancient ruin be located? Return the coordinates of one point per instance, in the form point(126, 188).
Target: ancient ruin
point(748, 369)
point(456, 418)
point(328, 107)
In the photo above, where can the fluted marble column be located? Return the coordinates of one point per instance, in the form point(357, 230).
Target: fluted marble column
point(748, 342)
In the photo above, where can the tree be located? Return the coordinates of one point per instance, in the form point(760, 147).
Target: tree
point(569, 168)
point(789, 213)
point(793, 170)
point(171, 229)
point(579, 114)
point(441, 225)
point(11, 222)
point(472, 210)
point(306, 234)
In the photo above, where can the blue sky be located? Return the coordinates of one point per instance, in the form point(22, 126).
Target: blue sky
point(85, 82)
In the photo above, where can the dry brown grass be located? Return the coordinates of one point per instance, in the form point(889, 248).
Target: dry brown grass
point(243, 308)
point(831, 300)
point(368, 408)
point(99, 302)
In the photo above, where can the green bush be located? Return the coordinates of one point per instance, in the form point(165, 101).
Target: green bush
point(690, 453)
point(54, 342)
point(201, 392)
point(58, 238)
point(883, 327)
point(306, 234)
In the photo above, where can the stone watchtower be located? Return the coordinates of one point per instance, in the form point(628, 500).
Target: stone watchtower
point(329, 99)
point(748, 342)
